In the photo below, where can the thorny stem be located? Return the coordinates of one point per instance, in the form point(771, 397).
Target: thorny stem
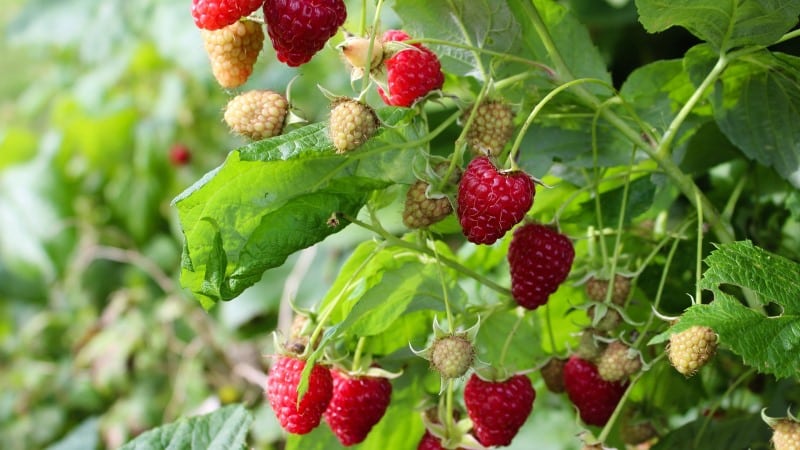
point(394, 240)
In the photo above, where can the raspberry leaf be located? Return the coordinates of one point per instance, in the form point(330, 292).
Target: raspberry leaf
point(724, 24)
point(223, 429)
point(766, 343)
point(277, 210)
point(736, 107)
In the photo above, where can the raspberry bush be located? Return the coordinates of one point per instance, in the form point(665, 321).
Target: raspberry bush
point(491, 183)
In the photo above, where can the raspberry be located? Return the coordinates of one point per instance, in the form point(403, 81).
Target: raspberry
point(540, 259)
point(491, 127)
point(594, 397)
point(233, 50)
point(216, 14)
point(358, 403)
point(299, 29)
point(553, 375)
point(596, 289)
point(351, 124)
point(490, 202)
point(451, 356)
point(498, 408)
point(638, 432)
point(421, 209)
point(179, 155)
point(786, 435)
point(588, 347)
point(691, 349)
point(411, 73)
point(431, 442)
point(256, 114)
point(282, 385)
point(617, 362)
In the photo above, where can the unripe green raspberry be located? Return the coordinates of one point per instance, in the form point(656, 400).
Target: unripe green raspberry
point(233, 50)
point(691, 349)
point(451, 356)
point(786, 435)
point(351, 124)
point(256, 114)
point(617, 362)
point(491, 128)
point(597, 288)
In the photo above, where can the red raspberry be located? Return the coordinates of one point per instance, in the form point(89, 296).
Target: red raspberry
point(594, 397)
point(540, 259)
point(431, 442)
point(179, 155)
point(216, 14)
point(411, 73)
point(498, 408)
point(358, 403)
point(489, 202)
point(300, 28)
point(282, 385)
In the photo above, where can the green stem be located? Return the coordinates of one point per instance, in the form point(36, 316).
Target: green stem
point(375, 21)
point(445, 292)
point(666, 139)
point(717, 402)
point(548, 70)
point(610, 424)
point(683, 182)
point(326, 314)
point(449, 405)
point(699, 255)
point(359, 351)
point(620, 223)
point(549, 322)
point(455, 265)
point(661, 284)
point(507, 342)
point(465, 35)
point(523, 130)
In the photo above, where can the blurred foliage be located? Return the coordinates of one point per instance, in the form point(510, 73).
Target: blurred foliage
point(97, 341)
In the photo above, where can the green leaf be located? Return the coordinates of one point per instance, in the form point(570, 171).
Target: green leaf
point(740, 432)
point(478, 23)
point(223, 429)
point(773, 277)
point(277, 196)
point(571, 39)
point(769, 344)
point(725, 24)
point(757, 106)
point(525, 346)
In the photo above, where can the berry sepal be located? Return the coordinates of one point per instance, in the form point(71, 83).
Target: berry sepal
point(451, 354)
point(457, 436)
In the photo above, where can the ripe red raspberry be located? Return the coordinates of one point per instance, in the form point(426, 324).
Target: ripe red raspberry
point(594, 397)
point(179, 155)
point(431, 442)
point(498, 408)
point(358, 403)
point(540, 259)
point(282, 382)
point(490, 202)
point(216, 14)
point(299, 29)
point(411, 73)
point(233, 51)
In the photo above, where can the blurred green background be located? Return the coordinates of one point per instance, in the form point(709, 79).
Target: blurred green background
point(97, 340)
